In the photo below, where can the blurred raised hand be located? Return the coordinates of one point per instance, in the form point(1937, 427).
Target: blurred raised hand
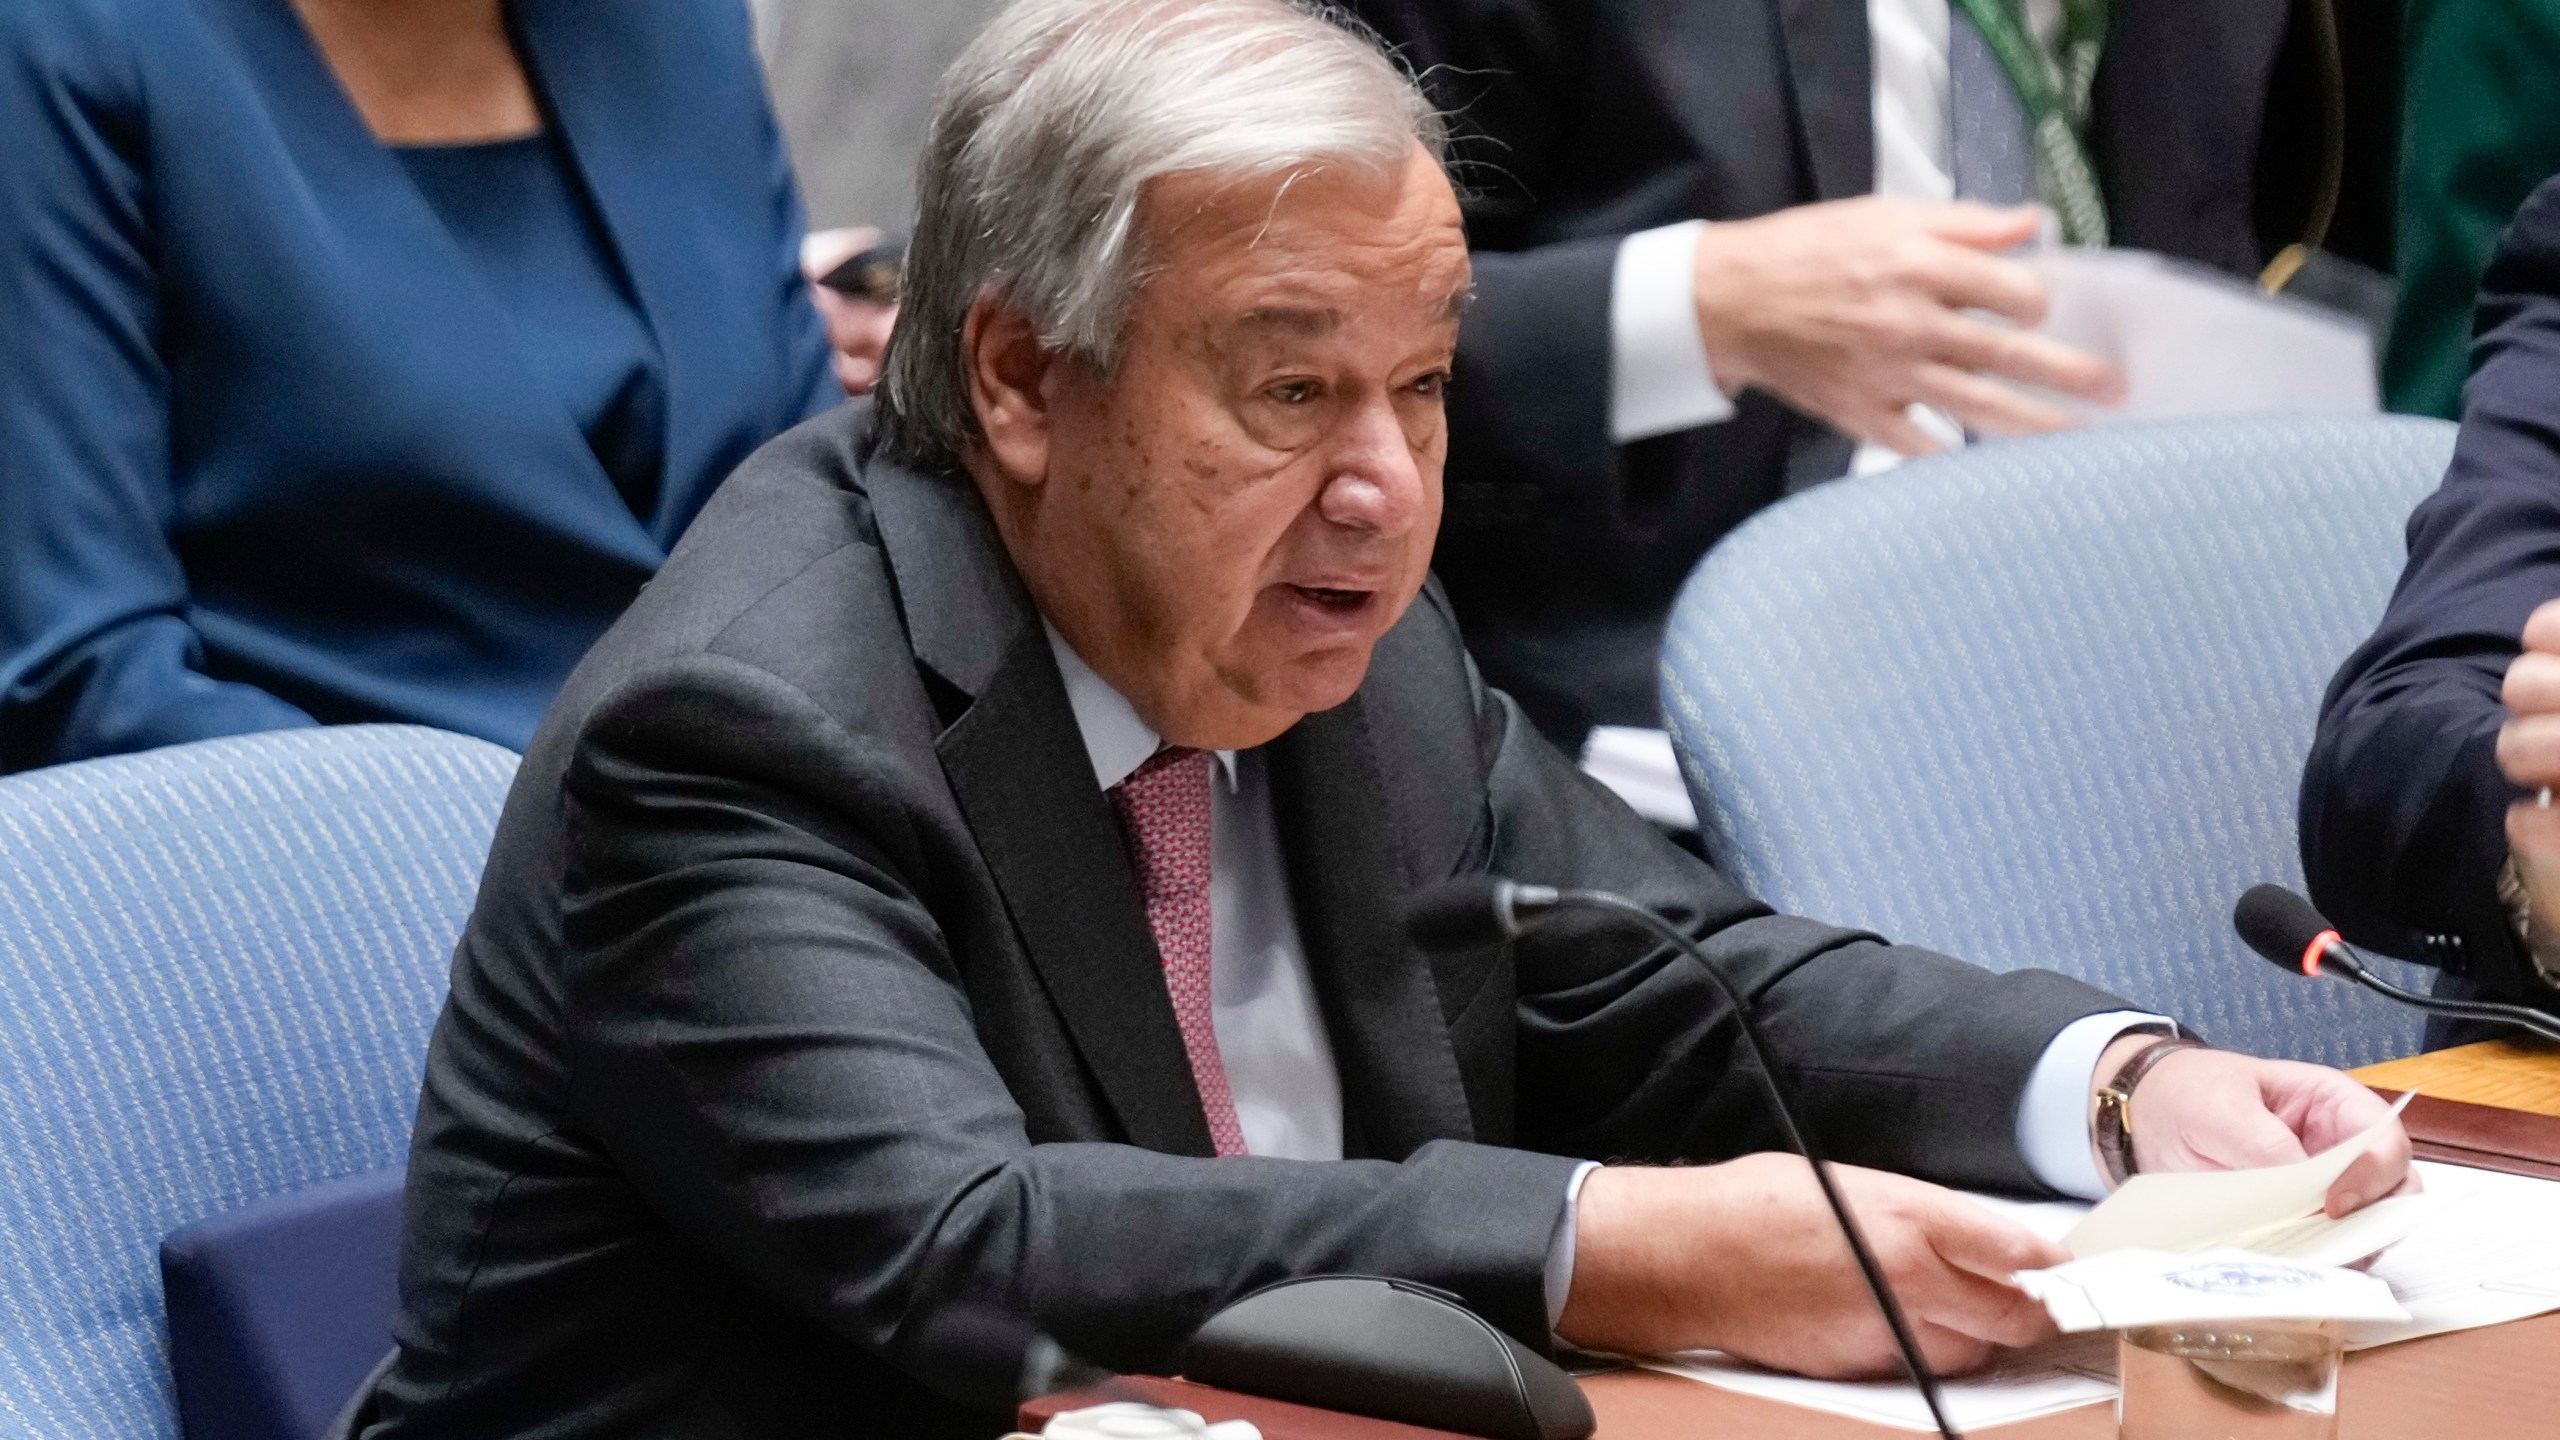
point(857, 329)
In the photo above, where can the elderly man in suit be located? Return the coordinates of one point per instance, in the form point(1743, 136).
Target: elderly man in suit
point(969, 876)
point(1719, 243)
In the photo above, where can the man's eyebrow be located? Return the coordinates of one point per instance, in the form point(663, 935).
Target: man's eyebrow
point(1295, 320)
point(1316, 321)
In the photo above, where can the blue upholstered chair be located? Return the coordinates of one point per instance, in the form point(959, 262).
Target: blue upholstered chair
point(218, 966)
point(2046, 702)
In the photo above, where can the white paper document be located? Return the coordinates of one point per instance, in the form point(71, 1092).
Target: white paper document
point(2485, 1251)
point(2066, 1374)
point(2195, 342)
point(2125, 1288)
point(2489, 1253)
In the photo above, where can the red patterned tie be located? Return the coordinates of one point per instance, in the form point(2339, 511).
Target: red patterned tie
point(1164, 806)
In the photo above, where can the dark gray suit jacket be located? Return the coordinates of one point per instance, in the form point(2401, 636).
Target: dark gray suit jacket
point(1583, 121)
point(809, 999)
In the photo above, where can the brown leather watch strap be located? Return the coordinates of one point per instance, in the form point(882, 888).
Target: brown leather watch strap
point(2112, 1126)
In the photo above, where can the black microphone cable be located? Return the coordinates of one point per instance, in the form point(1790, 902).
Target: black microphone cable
point(1472, 909)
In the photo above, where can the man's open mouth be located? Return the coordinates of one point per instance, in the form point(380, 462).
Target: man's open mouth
point(1343, 601)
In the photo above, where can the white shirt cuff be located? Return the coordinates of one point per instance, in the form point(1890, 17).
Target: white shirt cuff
point(1659, 381)
point(1560, 1249)
point(2053, 1114)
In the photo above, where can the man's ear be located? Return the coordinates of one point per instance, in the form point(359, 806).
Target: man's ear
point(1010, 374)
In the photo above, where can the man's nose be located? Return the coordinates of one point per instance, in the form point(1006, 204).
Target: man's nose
point(1377, 482)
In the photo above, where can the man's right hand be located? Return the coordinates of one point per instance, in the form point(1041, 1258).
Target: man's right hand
point(1744, 1257)
point(1854, 310)
point(2529, 755)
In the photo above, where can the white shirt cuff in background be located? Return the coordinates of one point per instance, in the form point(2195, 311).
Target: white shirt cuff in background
point(2053, 1115)
point(1659, 381)
point(1560, 1248)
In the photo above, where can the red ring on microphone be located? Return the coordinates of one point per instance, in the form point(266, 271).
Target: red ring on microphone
point(2318, 947)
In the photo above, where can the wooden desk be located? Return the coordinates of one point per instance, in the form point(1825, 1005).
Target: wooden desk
point(2509, 1074)
point(2497, 1383)
point(2501, 1383)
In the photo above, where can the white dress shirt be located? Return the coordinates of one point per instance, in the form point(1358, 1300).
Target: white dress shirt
point(1660, 380)
point(1271, 1035)
point(1262, 1001)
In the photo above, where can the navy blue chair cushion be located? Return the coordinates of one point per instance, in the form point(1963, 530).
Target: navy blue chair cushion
point(277, 1311)
point(2046, 702)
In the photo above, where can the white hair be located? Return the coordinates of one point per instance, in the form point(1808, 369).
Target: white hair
point(1046, 132)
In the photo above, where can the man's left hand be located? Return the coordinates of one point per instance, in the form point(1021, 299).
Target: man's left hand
point(2214, 1110)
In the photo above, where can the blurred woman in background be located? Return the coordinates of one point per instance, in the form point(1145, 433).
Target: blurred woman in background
point(365, 357)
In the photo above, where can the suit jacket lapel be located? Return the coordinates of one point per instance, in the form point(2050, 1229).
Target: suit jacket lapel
point(623, 151)
point(373, 200)
point(1831, 67)
point(1400, 1082)
point(1018, 767)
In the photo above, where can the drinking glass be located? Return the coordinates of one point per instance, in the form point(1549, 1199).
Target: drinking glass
point(2230, 1380)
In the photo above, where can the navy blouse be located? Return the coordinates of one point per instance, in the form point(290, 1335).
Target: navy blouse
point(296, 427)
point(516, 209)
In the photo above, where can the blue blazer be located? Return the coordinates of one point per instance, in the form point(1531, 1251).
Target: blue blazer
point(2403, 805)
point(269, 452)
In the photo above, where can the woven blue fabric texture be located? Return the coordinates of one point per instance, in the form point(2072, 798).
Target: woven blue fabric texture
point(218, 966)
point(2046, 702)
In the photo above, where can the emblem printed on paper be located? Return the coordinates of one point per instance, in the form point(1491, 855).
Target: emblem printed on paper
point(2241, 1278)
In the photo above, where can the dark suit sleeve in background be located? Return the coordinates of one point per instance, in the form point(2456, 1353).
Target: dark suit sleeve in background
point(2403, 806)
point(769, 1037)
point(1529, 414)
point(1577, 123)
point(96, 655)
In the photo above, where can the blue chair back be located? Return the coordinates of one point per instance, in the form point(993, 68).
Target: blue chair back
point(2046, 702)
point(218, 966)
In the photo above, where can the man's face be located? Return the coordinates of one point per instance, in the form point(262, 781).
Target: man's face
point(1226, 527)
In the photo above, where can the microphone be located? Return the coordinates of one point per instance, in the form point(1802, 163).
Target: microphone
point(1471, 910)
point(2285, 929)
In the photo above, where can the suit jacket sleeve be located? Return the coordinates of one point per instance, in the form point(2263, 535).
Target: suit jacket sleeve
point(1905, 1059)
point(2403, 806)
point(1529, 420)
point(769, 1036)
point(96, 655)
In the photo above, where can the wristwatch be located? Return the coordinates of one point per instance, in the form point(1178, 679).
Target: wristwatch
point(2541, 946)
point(2111, 1125)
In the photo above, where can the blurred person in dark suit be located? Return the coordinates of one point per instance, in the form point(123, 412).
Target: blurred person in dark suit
point(1633, 383)
point(2422, 829)
point(365, 357)
point(969, 876)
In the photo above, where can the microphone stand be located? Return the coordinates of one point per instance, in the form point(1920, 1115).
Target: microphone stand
point(1782, 1100)
point(2342, 959)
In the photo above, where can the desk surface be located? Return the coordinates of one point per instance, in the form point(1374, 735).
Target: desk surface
point(2511, 1075)
point(2492, 1384)
point(2498, 1383)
